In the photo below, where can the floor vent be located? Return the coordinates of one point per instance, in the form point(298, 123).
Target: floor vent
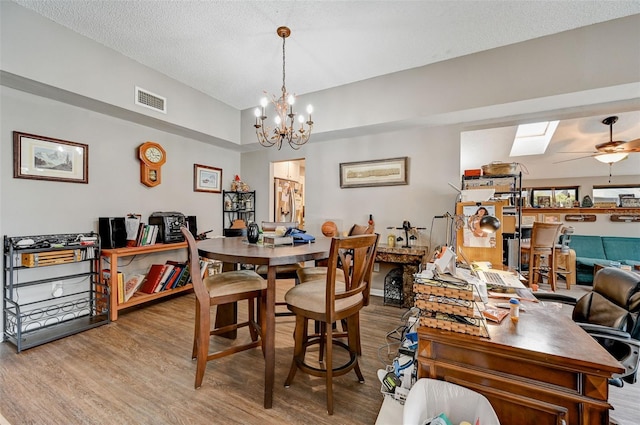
point(150, 100)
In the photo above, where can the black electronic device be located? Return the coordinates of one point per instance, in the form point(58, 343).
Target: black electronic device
point(192, 225)
point(169, 224)
point(113, 232)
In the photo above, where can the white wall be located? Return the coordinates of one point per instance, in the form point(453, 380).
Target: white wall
point(32, 207)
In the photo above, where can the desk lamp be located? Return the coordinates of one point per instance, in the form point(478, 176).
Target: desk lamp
point(489, 224)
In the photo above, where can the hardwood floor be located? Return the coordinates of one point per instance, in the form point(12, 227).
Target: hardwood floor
point(138, 370)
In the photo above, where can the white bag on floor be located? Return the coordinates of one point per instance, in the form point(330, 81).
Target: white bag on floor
point(430, 397)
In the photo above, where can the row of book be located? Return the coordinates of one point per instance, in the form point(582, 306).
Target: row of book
point(162, 277)
point(147, 235)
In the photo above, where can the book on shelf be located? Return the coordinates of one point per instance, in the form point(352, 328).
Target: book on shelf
point(185, 277)
point(106, 278)
point(132, 285)
point(168, 269)
point(153, 278)
point(174, 279)
point(172, 284)
point(154, 235)
point(140, 234)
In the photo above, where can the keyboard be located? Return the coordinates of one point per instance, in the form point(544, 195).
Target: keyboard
point(493, 277)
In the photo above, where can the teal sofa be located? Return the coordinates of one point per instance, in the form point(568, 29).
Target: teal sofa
point(592, 250)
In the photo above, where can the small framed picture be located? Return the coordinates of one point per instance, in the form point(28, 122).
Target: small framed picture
point(207, 179)
point(44, 158)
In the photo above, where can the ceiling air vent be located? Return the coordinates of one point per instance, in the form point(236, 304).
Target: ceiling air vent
point(149, 100)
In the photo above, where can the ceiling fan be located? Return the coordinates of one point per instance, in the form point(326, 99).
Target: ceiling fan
point(613, 150)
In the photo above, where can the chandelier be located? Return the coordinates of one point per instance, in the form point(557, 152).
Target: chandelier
point(285, 120)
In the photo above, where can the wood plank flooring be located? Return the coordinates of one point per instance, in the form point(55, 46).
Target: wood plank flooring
point(138, 370)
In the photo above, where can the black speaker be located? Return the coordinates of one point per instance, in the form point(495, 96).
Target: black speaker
point(113, 232)
point(191, 224)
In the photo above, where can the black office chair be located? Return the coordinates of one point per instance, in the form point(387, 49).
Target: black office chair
point(609, 313)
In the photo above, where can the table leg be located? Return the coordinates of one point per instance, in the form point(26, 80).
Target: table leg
point(269, 338)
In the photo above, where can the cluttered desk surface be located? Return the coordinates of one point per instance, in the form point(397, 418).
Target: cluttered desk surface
point(541, 368)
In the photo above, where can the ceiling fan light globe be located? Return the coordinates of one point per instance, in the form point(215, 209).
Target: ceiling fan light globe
point(610, 158)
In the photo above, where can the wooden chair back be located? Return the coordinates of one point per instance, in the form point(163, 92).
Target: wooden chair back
point(544, 236)
point(355, 255)
point(194, 267)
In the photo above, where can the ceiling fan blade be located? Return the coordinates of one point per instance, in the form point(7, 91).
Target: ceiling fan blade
point(573, 159)
point(591, 152)
point(631, 146)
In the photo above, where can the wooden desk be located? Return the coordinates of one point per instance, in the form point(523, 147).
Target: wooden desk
point(235, 250)
point(539, 371)
point(409, 259)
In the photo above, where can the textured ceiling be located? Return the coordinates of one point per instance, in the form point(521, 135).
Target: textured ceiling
point(229, 49)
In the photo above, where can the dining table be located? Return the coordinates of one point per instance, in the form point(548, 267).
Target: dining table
point(237, 250)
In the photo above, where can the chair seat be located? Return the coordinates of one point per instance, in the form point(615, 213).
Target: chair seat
point(307, 274)
point(233, 282)
point(312, 295)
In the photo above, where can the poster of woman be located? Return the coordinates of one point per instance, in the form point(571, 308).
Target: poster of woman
point(473, 235)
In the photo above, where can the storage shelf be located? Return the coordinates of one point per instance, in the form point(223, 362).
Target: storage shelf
point(141, 298)
point(238, 206)
point(110, 256)
point(52, 279)
point(47, 334)
point(41, 316)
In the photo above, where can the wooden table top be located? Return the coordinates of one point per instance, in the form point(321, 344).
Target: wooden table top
point(238, 250)
point(544, 334)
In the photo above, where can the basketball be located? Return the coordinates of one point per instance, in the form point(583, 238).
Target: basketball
point(329, 229)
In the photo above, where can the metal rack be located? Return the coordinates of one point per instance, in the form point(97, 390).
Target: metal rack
point(238, 206)
point(38, 272)
point(509, 188)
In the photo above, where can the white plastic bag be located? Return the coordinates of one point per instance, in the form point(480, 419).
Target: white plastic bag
point(430, 397)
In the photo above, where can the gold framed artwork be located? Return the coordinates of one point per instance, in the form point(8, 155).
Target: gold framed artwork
point(379, 172)
point(45, 158)
point(207, 179)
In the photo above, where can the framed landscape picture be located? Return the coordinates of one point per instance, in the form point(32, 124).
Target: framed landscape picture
point(380, 172)
point(207, 179)
point(44, 158)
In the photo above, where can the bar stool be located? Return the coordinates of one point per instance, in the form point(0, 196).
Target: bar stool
point(542, 245)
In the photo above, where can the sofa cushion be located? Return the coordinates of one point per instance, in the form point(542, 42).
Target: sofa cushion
point(621, 248)
point(590, 262)
point(587, 246)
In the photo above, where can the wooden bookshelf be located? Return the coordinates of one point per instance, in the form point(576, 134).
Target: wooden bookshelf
point(111, 256)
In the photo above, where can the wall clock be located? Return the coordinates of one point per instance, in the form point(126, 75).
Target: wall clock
point(152, 156)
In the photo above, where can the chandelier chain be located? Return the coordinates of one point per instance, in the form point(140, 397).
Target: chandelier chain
point(284, 88)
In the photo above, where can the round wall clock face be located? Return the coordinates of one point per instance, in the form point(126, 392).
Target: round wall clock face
point(153, 154)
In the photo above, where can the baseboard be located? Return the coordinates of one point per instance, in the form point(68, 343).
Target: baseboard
point(377, 292)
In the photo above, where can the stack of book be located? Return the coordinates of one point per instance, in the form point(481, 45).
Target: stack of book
point(450, 304)
point(163, 277)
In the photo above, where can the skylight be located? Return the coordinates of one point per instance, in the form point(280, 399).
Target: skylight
point(533, 138)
